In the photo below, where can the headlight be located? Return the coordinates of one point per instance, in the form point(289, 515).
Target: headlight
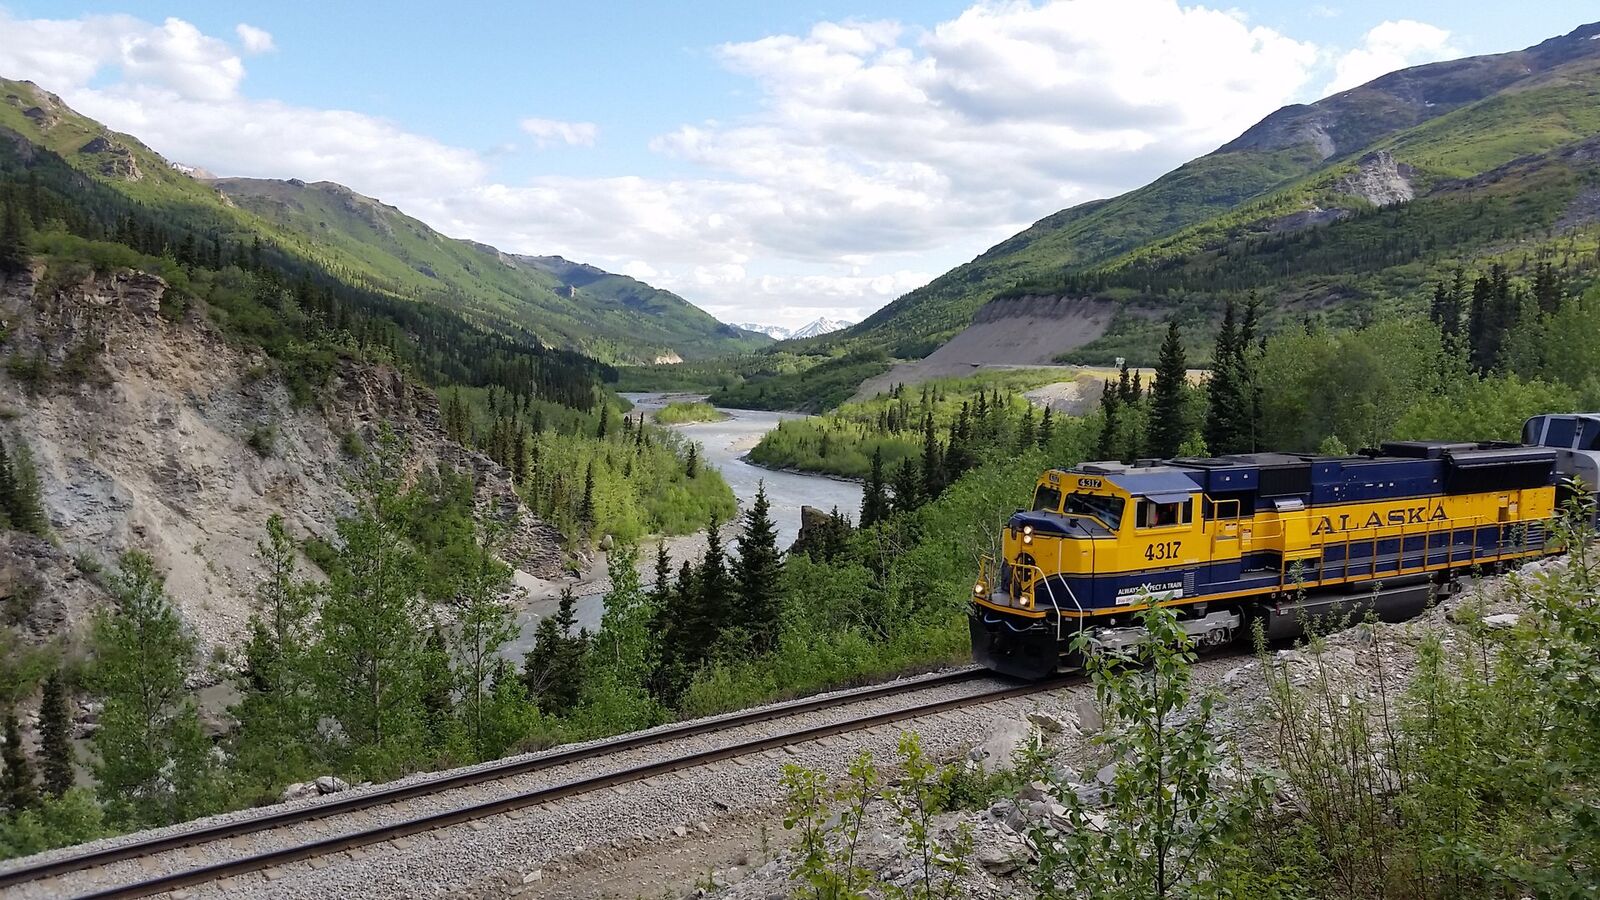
point(1027, 539)
point(979, 589)
point(1027, 529)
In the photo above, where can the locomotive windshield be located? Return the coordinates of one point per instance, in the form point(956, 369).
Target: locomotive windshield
point(1107, 509)
point(1046, 499)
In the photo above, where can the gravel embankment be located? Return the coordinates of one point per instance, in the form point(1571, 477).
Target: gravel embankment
point(546, 851)
point(629, 812)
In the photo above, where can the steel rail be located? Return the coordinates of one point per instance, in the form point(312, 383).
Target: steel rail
point(232, 868)
point(336, 806)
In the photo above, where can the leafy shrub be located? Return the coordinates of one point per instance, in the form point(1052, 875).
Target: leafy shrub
point(262, 438)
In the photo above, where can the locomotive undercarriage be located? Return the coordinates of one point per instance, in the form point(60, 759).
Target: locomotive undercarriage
point(1040, 648)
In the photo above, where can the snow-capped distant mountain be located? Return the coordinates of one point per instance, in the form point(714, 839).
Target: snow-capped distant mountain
point(810, 329)
point(776, 332)
point(818, 327)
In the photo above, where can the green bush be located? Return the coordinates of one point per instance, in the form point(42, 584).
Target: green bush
point(682, 413)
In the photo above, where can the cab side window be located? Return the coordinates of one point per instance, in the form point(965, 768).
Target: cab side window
point(1164, 515)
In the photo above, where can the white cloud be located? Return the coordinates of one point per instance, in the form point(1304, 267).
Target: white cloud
point(878, 155)
point(1389, 46)
point(546, 132)
point(64, 54)
point(254, 40)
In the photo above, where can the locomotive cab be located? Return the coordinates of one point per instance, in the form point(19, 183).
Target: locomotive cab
point(1050, 575)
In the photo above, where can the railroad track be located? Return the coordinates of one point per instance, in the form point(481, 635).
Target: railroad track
point(54, 876)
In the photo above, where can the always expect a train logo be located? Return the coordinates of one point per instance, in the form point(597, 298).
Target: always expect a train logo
point(1412, 515)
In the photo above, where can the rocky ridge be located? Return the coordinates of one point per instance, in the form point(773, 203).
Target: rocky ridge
point(151, 431)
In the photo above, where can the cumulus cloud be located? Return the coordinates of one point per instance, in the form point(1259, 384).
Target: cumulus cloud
point(253, 39)
point(878, 154)
point(1389, 46)
point(546, 132)
point(64, 54)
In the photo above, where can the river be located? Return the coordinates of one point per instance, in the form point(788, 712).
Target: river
point(722, 445)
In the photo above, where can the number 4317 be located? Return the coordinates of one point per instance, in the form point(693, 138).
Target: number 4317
point(1163, 550)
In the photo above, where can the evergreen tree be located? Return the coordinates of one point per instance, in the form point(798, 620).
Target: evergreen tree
point(1047, 429)
point(1110, 406)
point(586, 507)
point(552, 670)
point(55, 736)
point(1169, 424)
point(20, 502)
point(715, 587)
point(932, 461)
point(662, 588)
point(1228, 410)
point(907, 487)
point(277, 709)
point(691, 466)
point(757, 571)
point(154, 765)
point(1026, 435)
point(875, 499)
point(17, 790)
point(13, 241)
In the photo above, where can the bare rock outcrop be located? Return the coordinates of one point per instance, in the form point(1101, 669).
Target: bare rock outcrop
point(1379, 180)
point(114, 159)
point(151, 431)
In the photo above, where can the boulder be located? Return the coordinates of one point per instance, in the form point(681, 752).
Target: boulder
point(1088, 713)
point(1048, 723)
point(1501, 621)
point(999, 749)
point(1000, 852)
point(300, 790)
point(329, 784)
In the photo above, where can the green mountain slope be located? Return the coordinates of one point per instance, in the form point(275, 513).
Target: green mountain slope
point(608, 316)
point(1305, 167)
point(376, 245)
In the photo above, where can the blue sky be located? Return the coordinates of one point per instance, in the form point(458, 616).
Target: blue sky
point(769, 161)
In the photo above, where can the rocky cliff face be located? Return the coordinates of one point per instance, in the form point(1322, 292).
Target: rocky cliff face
point(161, 436)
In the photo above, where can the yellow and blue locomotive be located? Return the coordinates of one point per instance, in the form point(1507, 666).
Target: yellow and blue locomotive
point(1275, 537)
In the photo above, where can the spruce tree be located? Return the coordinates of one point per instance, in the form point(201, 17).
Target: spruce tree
point(1227, 424)
point(757, 572)
point(1169, 422)
point(55, 736)
point(691, 466)
point(20, 499)
point(586, 507)
point(875, 498)
point(13, 241)
point(662, 588)
point(1026, 434)
point(17, 790)
point(907, 487)
point(552, 670)
point(1047, 429)
point(1106, 448)
point(932, 461)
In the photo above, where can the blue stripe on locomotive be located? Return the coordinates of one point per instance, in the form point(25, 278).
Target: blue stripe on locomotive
point(1259, 571)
